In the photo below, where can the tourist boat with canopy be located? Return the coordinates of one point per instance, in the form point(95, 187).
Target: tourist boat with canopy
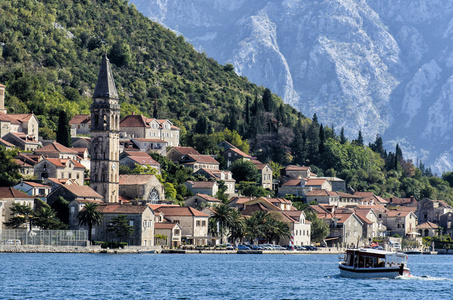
point(373, 263)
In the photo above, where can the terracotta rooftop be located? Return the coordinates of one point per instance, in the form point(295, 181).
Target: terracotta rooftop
point(134, 121)
point(186, 150)
point(136, 153)
point(82, 191)
point(62, 162)
point(294, 182)
point(55, 147)
point(8, 192)
point(36, 184)
point(346, 195)
point(142, 160)
point(427, 225)
point(180, 211)
point(166, 225)
point(239, 152)
point(319, 192)
point(297, 168)
point(115, 208)
point(201, 184)
point(135, 179)
point(200, 159)
point(80, 119)
point(207, 197)
point(6, 143)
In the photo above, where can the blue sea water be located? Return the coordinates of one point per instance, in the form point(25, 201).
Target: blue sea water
point(211, 276)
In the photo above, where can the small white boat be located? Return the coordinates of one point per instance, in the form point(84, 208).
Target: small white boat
point(372, 263)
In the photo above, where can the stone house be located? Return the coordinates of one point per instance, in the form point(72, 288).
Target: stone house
point(175, 154)
point(372, 227)
point(81, 142)
point(348, 199)
point(151, 145)
point(225, 176)
point(338, 184)
point(197, 162)
point(428, 229)
point(321, 184)
point(74, 192)
point(83, 157)
point(9, 196)
point(171, 230)
point(323, 197)
point(145, 188)
point(140, 217)
point(199, 201)
point(7, 144)
point(27, 161)
point(431, 210)
point(446, 222)
point(22, 141)
point(76, 205)
point(400, 222)
point(35, 189)
point(232, 154)
point(194, 223)
point(266, 174)
point(299, 226)
point(138, 126)
point(298, 172)
point(202, 187)
point(60, 169)
point(293, 187)
point(26, 126)
point(80, 125)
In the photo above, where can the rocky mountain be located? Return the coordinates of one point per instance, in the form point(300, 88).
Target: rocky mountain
point(380, 66)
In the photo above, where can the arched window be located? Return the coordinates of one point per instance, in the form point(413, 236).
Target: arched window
point(153, 196)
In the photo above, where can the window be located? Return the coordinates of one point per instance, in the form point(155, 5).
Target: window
point(203, 223)
point(131, 223)
point(198, 223)
point(176, 231)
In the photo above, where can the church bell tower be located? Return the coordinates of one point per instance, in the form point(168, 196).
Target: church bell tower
point(105, 126)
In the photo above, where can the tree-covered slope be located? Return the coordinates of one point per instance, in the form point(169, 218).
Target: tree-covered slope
point(52, 49)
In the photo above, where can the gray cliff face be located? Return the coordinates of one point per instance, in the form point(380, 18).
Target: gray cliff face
point(380, 66)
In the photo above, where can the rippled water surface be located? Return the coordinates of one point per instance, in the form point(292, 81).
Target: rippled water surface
point(210, 276)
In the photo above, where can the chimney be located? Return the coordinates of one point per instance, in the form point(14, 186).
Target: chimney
point(2, 99)
point(133, 113)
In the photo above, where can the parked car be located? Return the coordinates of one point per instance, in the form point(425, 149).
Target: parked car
point(256, 247)
point(290, 247)
point(243, 247)
point(13, 242)
point(229, 247)
point(311, 248)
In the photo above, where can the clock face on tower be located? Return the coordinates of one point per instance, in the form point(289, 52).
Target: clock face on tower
point(113, 166)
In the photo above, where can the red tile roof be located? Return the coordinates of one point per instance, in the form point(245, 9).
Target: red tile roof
point(136, 153)
point(36, 184)
point(186, 150)
point(142, 160)
point(80, 119)
point(200, 159)
point(207, 197)
point(313, 182)
point(62, 162)
point(296, 168)
point(55, 147)
point(319, 192)
point(135, 179)
point(427, 225)
point(8, 192)
point(180, 211)
point(202, 184)
point(134, 121)
point(165, 225)
point(239, 152)
point(115, 208)
point(293, 182)
point(82, 191)
point(6, 143)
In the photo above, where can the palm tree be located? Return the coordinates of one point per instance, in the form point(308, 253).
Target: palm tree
point(21, 214)
point(237, 227)
point(46, 218)
point(223, 217)
point(90, 216)
point(255, 225)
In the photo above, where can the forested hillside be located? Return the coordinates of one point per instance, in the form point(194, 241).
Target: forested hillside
point(49, 62)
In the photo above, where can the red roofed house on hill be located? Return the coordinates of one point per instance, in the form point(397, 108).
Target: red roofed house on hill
point(202, 187)
point(266, 174)
point(197, 162)
point(80, 125)
point(175, 154)
point(57, 150)
point(139, 126)
point(60, 169)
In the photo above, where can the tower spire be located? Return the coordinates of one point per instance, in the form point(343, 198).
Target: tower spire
point(105, 86)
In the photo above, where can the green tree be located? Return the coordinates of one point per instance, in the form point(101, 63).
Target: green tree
point(61, 207)
point(120, 227)
point(9, 169)
point(343, 139)
point(21, 214)
point(64, 130)
point(244, 171)
point(120, 54)
point(90, 216)
point(255, 225)
point(319, 229)
point(223, 218)
point(46, 218)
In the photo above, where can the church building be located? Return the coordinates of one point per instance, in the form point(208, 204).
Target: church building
point(105, 126)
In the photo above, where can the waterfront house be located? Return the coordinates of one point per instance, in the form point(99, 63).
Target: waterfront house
point(35, 189)
point(400, 222)
point(167, 234)
point(9, 196)
point(74, 192)
point(193, 223)
point(428, 229)
point(430, 210)
point(140, 217)
point(446, 222)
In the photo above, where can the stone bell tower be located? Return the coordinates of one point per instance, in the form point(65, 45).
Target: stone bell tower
point(105, 126)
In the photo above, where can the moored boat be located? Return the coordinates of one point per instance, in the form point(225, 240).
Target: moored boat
point(372, 263)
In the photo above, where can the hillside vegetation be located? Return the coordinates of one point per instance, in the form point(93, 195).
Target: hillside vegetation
point(49, 62)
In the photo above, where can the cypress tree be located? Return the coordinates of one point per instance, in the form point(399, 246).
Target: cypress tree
point(247, 110)
point(342, 137)
point(267, 101)
point(64, 130)
point(321, 140)
point(298, 145)
point(360, 139)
